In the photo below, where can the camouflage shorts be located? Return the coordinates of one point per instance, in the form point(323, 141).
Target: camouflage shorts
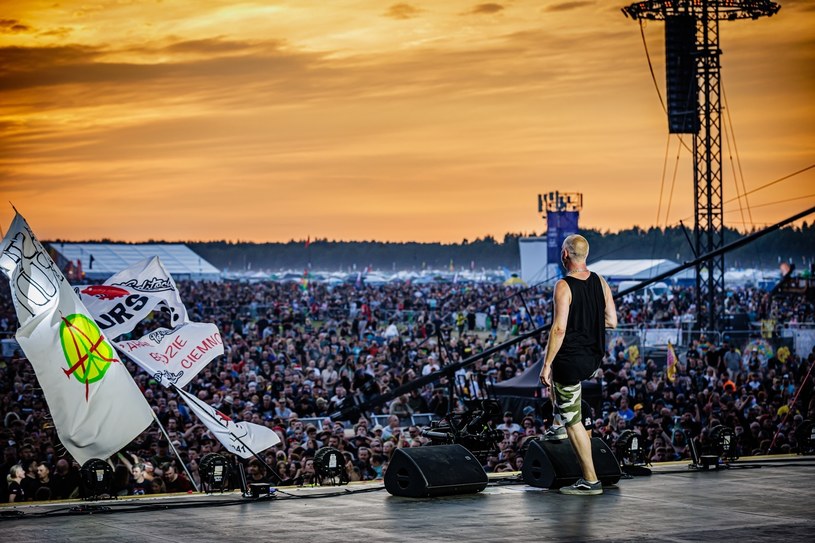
point(567, 402)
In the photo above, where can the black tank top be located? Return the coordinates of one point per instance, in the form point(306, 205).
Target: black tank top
point(584, 344)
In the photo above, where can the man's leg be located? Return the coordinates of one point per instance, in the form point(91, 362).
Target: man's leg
point(569, 409)
point(582, 447)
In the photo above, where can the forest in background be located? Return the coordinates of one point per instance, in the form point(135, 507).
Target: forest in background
point(792, 244)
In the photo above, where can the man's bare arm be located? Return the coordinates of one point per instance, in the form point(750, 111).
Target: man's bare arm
point(562, 300)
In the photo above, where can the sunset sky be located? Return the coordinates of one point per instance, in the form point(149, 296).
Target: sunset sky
point(369, 120)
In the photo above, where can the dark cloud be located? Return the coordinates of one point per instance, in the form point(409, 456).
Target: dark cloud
point(13, 26)
point(61, 32)
point(402, 11)
point(486, 9)
point(567, 6)
point(213, 46)
point(32, 67)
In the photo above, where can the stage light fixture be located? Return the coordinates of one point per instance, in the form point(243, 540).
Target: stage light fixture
point(329, 465)
point(96, 480)
point(805, 435)
point(214, 471)
point(631, 454)
point(723, 443)
point(719, 449)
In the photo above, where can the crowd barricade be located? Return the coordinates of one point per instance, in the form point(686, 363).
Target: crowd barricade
point(802, 335)
point(423, 419)
point(381, 420)
point(661, 336)
point(629, 335)
point(316, 421)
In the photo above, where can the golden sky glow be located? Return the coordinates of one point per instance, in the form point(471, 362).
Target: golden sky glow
point(358, 120)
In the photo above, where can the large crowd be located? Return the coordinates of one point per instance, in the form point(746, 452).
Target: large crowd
point(297, 354)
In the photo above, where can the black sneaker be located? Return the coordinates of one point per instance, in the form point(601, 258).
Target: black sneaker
point(583, 488)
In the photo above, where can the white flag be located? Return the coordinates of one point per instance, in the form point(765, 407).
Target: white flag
point(241, 438)
point(174, 357)
point(150, 277)
point(117, 310)
point(128, 297)
point(96, 406)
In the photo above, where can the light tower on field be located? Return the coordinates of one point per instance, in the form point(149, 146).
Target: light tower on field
point(693, 94)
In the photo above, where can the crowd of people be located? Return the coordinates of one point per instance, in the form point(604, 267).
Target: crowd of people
point(298, 355)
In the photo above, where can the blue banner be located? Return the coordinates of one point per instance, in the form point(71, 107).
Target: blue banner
point(559, 224)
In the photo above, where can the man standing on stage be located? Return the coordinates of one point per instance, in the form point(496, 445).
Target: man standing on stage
point(583, 309)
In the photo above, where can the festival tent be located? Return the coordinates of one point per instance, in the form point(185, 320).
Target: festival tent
point(101, 260)
point(526, 390)
point(639, 270)
point(520, 391)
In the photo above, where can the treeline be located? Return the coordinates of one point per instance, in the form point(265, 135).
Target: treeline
point(793, 244)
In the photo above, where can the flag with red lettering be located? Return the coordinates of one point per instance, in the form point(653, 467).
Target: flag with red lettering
point(96, 407)
point(172, 356)
point(241, 438)
point(671, 363)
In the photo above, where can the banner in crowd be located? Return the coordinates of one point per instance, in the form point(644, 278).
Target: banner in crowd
point(241, 438)
point(96, 406)
point(172, 356)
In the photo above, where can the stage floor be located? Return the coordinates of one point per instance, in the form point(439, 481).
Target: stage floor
point(770, 499)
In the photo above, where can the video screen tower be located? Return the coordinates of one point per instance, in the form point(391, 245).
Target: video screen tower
point(561, 210)
point(693, 69)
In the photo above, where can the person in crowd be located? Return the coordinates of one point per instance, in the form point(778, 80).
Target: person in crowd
point(14, 479)
point(44, 490)
point(139, 485)
point(65, 480)
point(175, 481)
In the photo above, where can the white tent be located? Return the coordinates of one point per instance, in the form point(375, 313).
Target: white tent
point(638, 270)
point(101, 260)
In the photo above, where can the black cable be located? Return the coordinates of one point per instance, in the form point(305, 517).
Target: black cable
point(346, 492)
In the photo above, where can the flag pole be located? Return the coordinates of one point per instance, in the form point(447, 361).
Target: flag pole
point(269, 468)
point(175, 451)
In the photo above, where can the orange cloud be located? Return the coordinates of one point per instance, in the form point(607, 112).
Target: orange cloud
point(402, 11)
point(486, 9)
point(262, 122)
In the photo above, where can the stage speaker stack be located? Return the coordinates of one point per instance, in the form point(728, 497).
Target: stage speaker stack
point(553, 464)
point(436, 470)
point(680, 70)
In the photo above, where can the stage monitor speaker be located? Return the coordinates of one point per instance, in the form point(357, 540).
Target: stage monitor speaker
point(436, 470)
point(553, 464)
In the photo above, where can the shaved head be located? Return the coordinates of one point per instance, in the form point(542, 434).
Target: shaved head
point(577, 247)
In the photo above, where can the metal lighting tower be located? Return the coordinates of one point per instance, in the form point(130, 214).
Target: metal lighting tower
point(693, 75)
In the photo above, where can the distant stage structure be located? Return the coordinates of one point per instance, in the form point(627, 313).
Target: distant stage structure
point(693, 68)
point(540, 256)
